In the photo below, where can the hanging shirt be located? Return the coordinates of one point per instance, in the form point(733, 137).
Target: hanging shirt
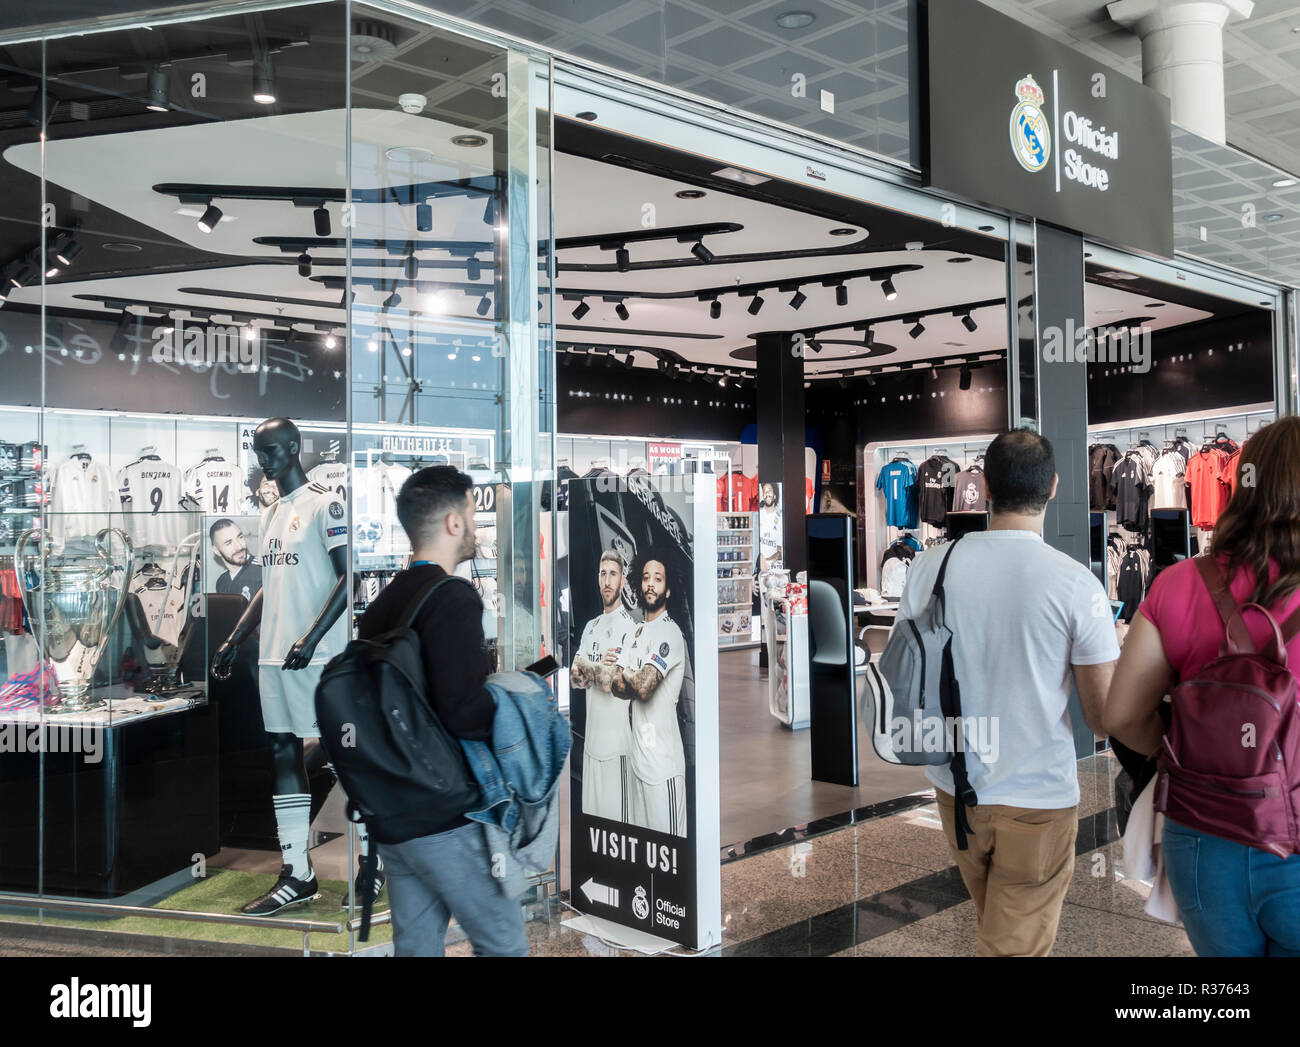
point(809, 492)
point(609, 732)
point(657, 752)
point(83, 502)
point(970, 491)
point(214, 485)
point(150, 490)
point(1203, 470)
point(1168, 476)
point(332, 476)
point(1130, 478)
point(934, 479)
point(897, 480)
point(297, 534)
point(163, 604)
point(770, 535)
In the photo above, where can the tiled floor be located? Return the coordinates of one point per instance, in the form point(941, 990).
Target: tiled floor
point(887, 887)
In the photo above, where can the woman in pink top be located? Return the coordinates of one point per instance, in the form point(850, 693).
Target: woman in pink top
point(1234, 900)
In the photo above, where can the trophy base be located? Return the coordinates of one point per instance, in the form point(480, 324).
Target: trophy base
point(163, 686)
point(77, 703)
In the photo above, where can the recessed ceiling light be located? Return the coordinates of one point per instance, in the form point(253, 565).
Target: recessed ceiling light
point(1284, 183)
point(408, 154)
point(1155, 305)
point(469, 141)
point(915, 245)
point(586, 114)
point(843, 230)
point(986, 228)
point(1115, 274)
point(121, 247)
point(735, 174)
point(689, 194)
point(795, 19)
point(1274, 217)
point(959, 259)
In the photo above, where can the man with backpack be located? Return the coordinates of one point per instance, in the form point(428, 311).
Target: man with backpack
point(1024, 619)
point(441, 866)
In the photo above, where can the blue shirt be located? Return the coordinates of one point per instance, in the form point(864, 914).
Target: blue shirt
point(898, 481)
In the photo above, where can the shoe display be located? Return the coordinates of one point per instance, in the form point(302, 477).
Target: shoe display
point(286, 892)
point(377, 887)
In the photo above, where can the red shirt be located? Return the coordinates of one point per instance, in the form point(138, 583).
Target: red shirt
point(1191, 630)
point(1203, 478)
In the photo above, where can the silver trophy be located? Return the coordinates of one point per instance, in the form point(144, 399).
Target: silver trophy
point(161, 656)
point(75, 608)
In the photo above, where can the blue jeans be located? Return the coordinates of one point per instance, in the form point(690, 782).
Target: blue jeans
point(432, 878)
point(1234, 900)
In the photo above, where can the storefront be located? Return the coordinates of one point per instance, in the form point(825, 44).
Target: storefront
point(423, 241)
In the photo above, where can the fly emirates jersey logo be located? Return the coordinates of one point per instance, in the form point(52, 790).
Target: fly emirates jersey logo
point(275, 556)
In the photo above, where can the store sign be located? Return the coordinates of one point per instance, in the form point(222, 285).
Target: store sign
point(644, 814)
point(659, 455)
point(1029, 125)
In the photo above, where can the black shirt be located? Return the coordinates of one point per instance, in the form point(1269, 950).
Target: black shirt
point(935, 479)
point(450, 626)
point(245, 583)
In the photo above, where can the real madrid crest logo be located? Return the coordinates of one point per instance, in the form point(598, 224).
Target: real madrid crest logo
point(294, 524)
point(1031, 138)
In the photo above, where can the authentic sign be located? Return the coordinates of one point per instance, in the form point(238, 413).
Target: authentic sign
point(1028, 125)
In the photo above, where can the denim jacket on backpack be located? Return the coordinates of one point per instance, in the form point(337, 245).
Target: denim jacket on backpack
point(518, 774)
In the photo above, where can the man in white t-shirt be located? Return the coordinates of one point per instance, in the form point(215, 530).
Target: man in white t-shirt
point(1025, 620)
point(648, 673)
point(607, 741)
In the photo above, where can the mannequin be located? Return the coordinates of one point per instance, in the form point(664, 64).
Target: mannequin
point(298, 615)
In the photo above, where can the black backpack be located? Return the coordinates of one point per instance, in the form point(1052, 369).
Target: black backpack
point(399, 766)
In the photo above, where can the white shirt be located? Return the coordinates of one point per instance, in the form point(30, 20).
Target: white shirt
point(82, 502)
point(215, 485)
point(770, 537)
point(163, 604)
point(609, 733)
point(297, 534)
point(151, 499)
point(657, 752)
point(1021, 614)
point(331, 475)
point(1169, 477)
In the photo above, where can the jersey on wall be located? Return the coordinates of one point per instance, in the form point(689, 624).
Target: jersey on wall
point(333, 476)
point(215, 485)
point(150, 490)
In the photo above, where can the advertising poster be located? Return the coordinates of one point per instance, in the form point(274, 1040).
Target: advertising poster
point(644, 704)
point(231, 555)
point(663, 457)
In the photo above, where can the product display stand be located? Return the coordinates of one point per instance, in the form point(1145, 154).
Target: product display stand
point(785, 629)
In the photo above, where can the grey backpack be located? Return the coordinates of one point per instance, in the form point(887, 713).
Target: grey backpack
point(915, 698)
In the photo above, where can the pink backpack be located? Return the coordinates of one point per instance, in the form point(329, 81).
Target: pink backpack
point(1229, 765)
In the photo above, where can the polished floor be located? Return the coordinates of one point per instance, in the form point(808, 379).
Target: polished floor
point(887, 887)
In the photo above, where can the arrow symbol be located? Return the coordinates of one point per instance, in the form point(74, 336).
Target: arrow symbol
point(598, 892)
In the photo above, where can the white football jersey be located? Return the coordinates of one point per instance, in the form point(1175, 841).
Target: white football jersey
point(1168, 477)
point(770, 535)
point(609, 732)
point(297, 534)
point(151, 498)
point(164, 605)
point(216, 485)
point(657, 752)
point(82, 502)
point(333, 476)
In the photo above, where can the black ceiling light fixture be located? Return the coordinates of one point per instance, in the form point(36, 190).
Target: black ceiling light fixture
point(581, 309)
point(321, 219)
point(621, 310)
point(622, 259)
point(918, 328)
point(484, 304)
point(868, 337)
point(715, 310)
point(841, 294)
point(963, 378)
point(304, 264)
point(424, 217)
point(871, 379)
point(66, 248)
point(755, 304)
point(473, 267)
point(968, 322)
point(489, 210)
point(888, 289)
point(799, 298)
point(934, 373)
point(52, 266)
point(43, 107)
point(159, 102)
point(264, 83)
point(393, 301)
point(411, 267)
point(26, 273)
point(209, 218)
point(702, 253)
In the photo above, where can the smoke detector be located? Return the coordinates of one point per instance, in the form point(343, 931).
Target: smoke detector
point(373, 42)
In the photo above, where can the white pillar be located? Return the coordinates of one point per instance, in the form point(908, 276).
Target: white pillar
point(1182, 55)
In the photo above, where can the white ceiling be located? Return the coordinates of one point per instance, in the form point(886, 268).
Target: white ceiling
point(591, 198)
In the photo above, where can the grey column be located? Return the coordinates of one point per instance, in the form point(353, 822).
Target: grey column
point(781, 437)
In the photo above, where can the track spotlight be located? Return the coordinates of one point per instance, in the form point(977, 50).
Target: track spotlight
point(304, 264)
point(888, 288)
point(918, 330)
point(621, 310)
point(722, 380)
point(798, 300)
point(250, 332)
point(871, 380)
point(158, 100)
point(321, 218)
point(473, 267)
point(843, 382)
point(841, 294)
point(210, 217)
point(969, 323)
point(622, 259)
point(330, 341)
point(489, 210)
point(51, 266)
point(424, 217)
point(24, 276)
point(484, 304)
point(68, 251)
point(868, 337)
point(934, 373)
point(715, 310)
point(756, 303)
point(373, 345)
point(702, 253)
point(662, 365)
point(411, 267)
point(581, 310)
point(963, 381)
point(393, 301)
point(34, 111)
point(264, 84)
